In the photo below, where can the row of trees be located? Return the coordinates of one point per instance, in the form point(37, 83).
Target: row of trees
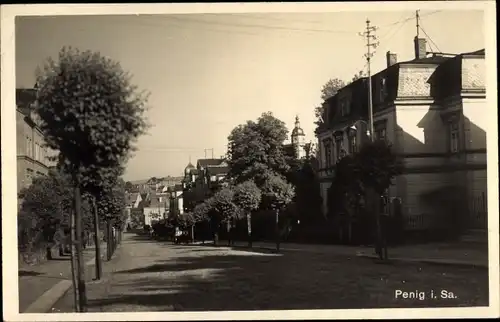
point(259, 179)
point(92, 114)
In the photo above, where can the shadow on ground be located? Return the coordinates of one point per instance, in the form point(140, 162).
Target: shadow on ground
point(28, 273)
point(253, 280)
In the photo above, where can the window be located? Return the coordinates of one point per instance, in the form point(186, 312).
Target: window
point(352, 143)
point(454, 137)
point(383, 90)
point(380, 132)
point(339, 147)
point(29, 176)
point(36, 151)
point(345, 107)
point(328, 153)
point(28, 146)
point(213, 178)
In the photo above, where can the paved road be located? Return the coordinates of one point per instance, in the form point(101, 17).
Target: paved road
point(158, 276)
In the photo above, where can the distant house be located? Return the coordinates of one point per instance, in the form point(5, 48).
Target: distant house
point(154, 208)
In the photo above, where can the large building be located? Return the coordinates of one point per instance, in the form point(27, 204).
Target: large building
point(32, 154)
point(432, 110)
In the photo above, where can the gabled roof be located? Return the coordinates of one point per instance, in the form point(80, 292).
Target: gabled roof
point(209, 162)
point(217, 170)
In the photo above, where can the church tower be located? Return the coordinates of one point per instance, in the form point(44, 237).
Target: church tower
point(298, 140)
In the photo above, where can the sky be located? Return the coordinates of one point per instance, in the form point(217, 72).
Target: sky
point(207, 73)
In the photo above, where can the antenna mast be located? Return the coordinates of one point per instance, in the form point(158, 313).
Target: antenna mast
point(417, 16)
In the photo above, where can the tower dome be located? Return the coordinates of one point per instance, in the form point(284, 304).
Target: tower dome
point(188, 168)
point(297, 130)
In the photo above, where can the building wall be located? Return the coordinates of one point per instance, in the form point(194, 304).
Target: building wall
point(31, 156)
point(153, 213)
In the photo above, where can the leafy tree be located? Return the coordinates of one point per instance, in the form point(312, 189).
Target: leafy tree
point(91, 113)
point(329, 89)
point(307, 192)
point(247, 197)
point(256, 149)
point(222, 209)
point(362, 178)
point(277, 193)
point(128, 186)
point(358, 75)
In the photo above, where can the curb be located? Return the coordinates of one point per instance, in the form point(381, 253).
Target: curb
point(435, 262)
point(430, 262)
point(44, 303)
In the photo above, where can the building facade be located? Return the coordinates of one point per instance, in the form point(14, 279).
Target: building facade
point(432, 110)
point(32, 154)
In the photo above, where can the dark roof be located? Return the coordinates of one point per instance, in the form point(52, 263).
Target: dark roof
point(24, 98)
point(427, 60)
point(193, 171)
point(208, 162)
point(144, 196)
point(217, 170)
point(480, 52)
point(178, 187)
point(190, 166)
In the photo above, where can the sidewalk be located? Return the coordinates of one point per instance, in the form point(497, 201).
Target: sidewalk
point(460, 254)
point(50, 278)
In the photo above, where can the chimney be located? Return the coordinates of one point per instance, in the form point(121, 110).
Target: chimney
point(392, 59)
point(420, 48)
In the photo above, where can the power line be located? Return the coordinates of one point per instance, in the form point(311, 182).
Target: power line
point(259, 26)
point(430, 39)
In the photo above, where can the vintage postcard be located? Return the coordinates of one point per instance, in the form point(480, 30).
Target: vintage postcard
point(236, 161)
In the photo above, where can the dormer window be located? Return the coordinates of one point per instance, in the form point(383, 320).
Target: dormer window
point(345, 107)
point(383, 90)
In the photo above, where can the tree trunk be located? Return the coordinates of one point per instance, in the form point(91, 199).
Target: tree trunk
point(109, 240)
point(98, 260)
point(79, 251)
point(277, 230)
point(374, 204)
point(249, 229)
point(72, 243)
point(228, 228)
point(192, 234)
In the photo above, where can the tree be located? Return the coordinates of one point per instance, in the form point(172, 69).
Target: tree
point(307, 192)
point(277, 193)
point(329, 89)
point(358, 75)
point(44, 213)
point(222, 209)
point(362, 179)
point(99, 186)
point(200, 213)
point(91, 113)
point(247, 196)
point(128, 186)
point(256, 149)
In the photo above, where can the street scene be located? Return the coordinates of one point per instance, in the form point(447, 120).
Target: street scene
point(252, 161)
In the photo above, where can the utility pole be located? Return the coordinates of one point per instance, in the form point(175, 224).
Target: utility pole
point(417, 16)
point(370, 43)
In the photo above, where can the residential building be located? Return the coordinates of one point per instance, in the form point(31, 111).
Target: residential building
point(432, 110)
point(176, 200)
point(211, 173)
point(32, 154)
point(155, 208)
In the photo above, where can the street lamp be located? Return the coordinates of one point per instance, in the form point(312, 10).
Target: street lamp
point(353, 127)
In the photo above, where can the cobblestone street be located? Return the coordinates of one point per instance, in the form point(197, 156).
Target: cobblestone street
point(147, 275)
